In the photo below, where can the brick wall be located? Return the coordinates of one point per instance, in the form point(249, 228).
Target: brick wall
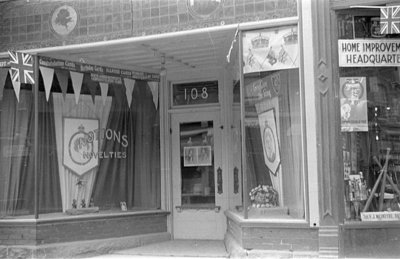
point(27, 24)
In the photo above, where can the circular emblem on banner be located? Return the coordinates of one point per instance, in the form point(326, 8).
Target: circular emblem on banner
point(269, 144)
point(64, 20)
point(203, 8)
point(80, 147)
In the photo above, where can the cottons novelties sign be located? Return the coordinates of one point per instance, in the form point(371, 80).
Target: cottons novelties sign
point(81, 148)
point(369, 53)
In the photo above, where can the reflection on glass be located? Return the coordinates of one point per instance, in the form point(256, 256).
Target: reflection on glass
point(197, 164)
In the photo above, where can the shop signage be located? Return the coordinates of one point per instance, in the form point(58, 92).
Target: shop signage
point(353, 104)
point(380, 216)
point(369, 53)
point(81, 144)
point(107, 74)
point(195, 93)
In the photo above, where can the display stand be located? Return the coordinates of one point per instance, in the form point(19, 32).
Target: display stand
point(382, 178)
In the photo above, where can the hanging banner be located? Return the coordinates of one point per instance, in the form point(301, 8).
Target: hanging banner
point(76, 79)
point(104, 91)
point(129, 85)
point(21, 67)
point(3, 77)
point(62, 76)
point(47, 74)
point(16, 86)
point(369, 53)
point(92, 86)
point(80, 144)
point(99, 71)
point(270, 49)
point(269, 138)
point(154, 90)
point(390, 20)
point(353, 104)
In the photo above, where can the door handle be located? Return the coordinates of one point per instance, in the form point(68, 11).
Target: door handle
point(219, 180)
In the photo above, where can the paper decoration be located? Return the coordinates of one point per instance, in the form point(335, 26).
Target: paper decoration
point(390, 20)
point(47, 75)
point(92, 86)
point(21, 67)
point(62, 76)
point(3, 77)
point(129, 85)
point(154, 90)
point(16, 86)
point(270, 49)
point(76, 79)
point(104, 91)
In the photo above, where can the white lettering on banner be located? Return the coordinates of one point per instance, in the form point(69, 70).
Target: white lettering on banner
point(369, 53)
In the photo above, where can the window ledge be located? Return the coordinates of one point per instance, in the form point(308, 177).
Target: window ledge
point(370, 224)
point(63, 217)
point(272, 223)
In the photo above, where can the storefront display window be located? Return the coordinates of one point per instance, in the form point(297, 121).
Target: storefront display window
point(96, 152)
point(369, 91)
point(272, 124)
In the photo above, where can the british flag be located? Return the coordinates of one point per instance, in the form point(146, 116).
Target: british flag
point(390, 20)
point(21, 67)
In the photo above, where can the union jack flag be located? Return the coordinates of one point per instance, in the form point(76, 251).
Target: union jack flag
point(390, 20)
point(21, 69)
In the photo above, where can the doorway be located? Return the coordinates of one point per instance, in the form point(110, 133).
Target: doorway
point(198, 196)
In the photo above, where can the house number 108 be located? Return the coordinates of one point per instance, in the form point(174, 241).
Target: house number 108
point(194, 94)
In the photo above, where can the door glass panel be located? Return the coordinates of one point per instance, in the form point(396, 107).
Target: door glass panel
point(197, 164)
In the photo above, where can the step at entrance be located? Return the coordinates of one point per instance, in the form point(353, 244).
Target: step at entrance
point(178, 249)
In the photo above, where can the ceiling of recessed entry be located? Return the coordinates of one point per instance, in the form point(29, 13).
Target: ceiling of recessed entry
point(189, 50)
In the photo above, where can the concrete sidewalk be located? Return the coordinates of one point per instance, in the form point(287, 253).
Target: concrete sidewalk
point(177, 249)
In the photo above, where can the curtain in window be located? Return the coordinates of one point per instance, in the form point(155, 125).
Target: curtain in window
point(136, 179)
point(15, 146)
point(49, 183)
point(70, 189)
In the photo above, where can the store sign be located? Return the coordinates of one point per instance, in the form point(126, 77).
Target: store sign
point(195, 93)
point(380, 216)
point(369, 53)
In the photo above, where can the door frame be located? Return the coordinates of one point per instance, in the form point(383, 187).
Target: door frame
point(222, 200)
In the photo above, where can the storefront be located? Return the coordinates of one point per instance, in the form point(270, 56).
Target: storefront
point(367, 41)
point(136, 125)
point(144, 121)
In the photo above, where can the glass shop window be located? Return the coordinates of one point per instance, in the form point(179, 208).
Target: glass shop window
point(369, 90)
point(272, 124)
point(98, 146)
point(16, 151)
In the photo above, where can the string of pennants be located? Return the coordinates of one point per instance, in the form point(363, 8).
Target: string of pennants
point(20, 66)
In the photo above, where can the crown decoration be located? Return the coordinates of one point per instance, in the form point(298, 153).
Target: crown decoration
point(290, 38)
point(81, 128)
point(259, 42)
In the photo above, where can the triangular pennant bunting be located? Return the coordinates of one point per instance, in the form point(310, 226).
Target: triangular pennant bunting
point(47, 75)
point(16, 86)
point(76, 79)
point(3, 77)
point(154, 90)
point(92, 86)
point(104, 91)
point(62, 76)
point(21, 69)
point(129, 85)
